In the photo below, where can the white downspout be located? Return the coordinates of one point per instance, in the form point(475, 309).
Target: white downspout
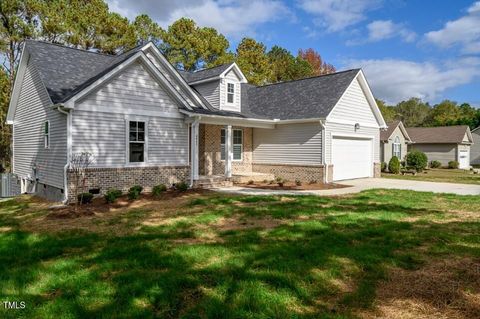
point(324, 144)
point(69, 147)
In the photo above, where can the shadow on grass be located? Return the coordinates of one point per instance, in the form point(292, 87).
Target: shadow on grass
point(326, 267)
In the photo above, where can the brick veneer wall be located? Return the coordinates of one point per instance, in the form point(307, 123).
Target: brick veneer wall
point(124, 178)
point(305, 173)
point(209, 151)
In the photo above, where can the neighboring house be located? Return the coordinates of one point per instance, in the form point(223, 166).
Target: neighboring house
point(146, 123)
point(443, 143)
point(394, 141)
point(475, 148)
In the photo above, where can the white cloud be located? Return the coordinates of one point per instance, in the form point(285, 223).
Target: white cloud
point(385, 29)
point(464, 32)
point(234, 18)
point(336, 15)
point(396, 80)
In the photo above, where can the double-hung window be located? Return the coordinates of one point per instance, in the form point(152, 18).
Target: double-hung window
point(46, 134)
point(397, 148)
point(230, 93)
point(237, 144)
point(136, 142)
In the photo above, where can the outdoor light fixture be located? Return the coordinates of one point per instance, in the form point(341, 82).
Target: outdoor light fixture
point(357, 126)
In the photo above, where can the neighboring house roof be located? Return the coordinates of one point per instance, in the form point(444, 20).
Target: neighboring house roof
point(439, 135)
point(66, 71)
point(205, 73)
point(476, 130)
point(392, 126)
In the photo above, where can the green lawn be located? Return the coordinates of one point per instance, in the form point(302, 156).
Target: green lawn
point(441, 175)
point(377, 253)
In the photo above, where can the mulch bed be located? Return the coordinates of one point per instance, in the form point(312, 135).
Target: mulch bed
point(99, 205)
point(292, 186)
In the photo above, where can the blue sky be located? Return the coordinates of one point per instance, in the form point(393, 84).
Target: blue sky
point(427, 49)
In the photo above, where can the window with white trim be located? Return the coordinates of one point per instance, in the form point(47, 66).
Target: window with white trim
point(230, 93)
point(397, 148)
point(136, 142)
point(46, 134)
point(237, 144)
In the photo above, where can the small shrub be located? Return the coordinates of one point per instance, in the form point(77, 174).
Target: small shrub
point(265, 181)
point(298, 182)
point(435, 164)
point(278, 179)
point(85, 198)
point(312, 182)
point(250, 182)
point(157, 190)
point(281, 181)
point(182, 186)
point(384, 167)
point(134, 192)
point(271, 182)
point(417, 160)
point(394, 165)
point(112, 195)
point(453, 164)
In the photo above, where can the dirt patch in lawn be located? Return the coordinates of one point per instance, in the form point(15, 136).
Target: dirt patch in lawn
point(117, 217)
point(293, 186)
point(447, 288)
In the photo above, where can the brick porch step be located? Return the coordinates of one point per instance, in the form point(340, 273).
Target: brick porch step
point(212, 181)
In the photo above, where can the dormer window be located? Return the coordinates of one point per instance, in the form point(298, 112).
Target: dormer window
point(230, 93)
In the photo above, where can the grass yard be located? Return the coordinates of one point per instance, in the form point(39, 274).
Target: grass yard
point(379, 253)
point(441, 175)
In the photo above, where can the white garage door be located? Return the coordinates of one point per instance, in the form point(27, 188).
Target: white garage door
point(464, 159)
point(351, 158)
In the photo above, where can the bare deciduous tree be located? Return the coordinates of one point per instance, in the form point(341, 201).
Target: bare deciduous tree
point(79, 162)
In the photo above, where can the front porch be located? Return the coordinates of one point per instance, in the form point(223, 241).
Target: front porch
point(224, 157)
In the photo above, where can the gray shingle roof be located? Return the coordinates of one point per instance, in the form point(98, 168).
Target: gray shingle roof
point(384, 135)
point(438, 135)
point(205, 73)
point(66, 71)
point(312, 97)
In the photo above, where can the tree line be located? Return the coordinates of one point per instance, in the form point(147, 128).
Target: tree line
point(415, 112)
point(90, 25)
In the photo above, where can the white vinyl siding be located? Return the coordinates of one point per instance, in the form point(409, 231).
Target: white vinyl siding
point(172, 80)
point(475, 148)
point(233, 78)
point(34, 108)
point(333, 129)
point(288, 144)
point(353, 106)
point(99, 123)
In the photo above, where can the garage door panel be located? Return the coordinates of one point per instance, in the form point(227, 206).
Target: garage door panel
point(351, 158)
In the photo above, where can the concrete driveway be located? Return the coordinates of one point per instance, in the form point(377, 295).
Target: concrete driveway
point(358, 185)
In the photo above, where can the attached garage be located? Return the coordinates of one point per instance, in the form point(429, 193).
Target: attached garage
point(352, 158)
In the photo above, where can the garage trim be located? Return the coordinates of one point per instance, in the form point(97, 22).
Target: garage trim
point(355, 136)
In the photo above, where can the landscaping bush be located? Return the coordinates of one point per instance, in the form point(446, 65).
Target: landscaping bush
point(453, 164)
point(134, 192)
point(394, 165)
point(85, 198)
point(112, 195)
point(435, 164)
point(157, 190)
point(298, 182)
point(417, 160)
point(182, 186)
point(280, 181)
point(384, 167)
point(250, 182)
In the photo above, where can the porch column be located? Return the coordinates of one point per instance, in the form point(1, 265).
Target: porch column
point(194, 143)
point(229, 151)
